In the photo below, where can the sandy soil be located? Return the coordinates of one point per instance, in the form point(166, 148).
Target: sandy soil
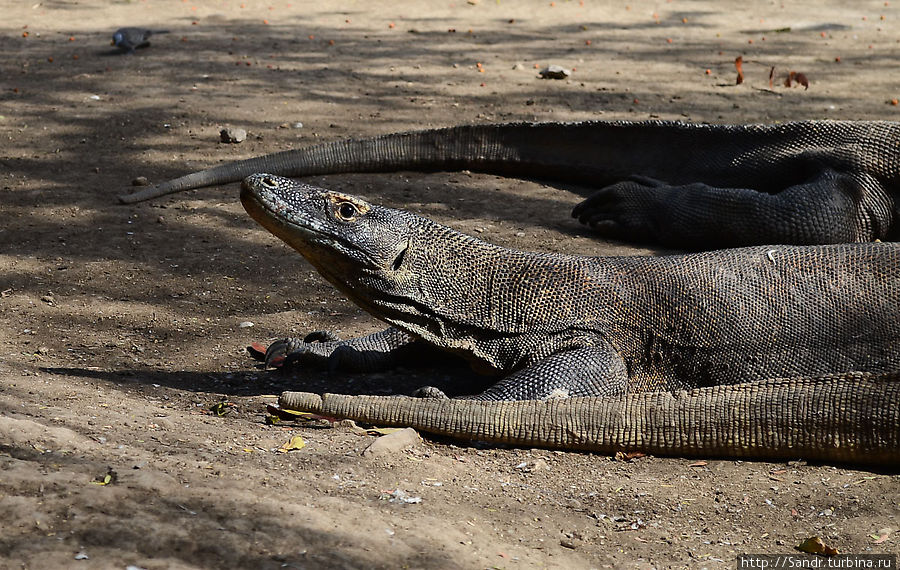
point(120, 326)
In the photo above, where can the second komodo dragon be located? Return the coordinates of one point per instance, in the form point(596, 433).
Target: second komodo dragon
point(679, 184)
point(550, 325)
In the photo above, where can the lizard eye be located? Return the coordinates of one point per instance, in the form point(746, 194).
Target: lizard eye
point(347, 211)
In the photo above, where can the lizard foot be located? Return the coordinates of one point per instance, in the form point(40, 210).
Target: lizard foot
point(626, 210)
point(286, 351)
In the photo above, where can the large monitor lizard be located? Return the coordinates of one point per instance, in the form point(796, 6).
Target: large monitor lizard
point(679, 184)
point(557, 326)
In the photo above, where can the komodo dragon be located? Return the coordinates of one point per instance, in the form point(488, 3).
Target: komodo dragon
point(679, 184)
point(555, 326)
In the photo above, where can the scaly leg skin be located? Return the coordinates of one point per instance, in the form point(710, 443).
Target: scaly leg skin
point(591, 371)
point(833, 207)
point(372, 353)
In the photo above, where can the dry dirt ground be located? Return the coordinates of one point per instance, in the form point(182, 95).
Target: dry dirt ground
point(120, 325)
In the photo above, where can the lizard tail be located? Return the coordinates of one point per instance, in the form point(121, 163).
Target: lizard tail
point(845, 418)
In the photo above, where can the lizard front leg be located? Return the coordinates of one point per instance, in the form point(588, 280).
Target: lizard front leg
point(589, 371)
point(375, 352)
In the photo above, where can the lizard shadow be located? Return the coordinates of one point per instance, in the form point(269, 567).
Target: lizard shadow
point(453, 377)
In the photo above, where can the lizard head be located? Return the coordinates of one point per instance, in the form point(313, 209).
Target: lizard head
point(343, 236)
point(411, 272)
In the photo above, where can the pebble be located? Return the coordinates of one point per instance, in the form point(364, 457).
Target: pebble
point(392, 443)
point(140, 181)
point(233, 135)
point(532, 466)
point(555, 72)
point(245, 324)
point(401, 496)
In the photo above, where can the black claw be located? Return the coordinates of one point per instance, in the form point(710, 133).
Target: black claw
point(275, 354)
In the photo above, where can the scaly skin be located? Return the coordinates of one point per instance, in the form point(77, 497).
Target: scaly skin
point(557, 325)
point(666, 355)
point(679, 184)
point(846, 418)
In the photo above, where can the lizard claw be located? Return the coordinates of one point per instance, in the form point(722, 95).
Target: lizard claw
point(285, 352)
point(273, 356)
point(624, 210)
point(278, 353)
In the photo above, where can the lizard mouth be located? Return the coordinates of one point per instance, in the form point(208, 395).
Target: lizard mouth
point(298, 225)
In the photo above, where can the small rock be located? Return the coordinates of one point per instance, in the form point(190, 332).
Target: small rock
point(82, 556)
point(518, 67)
point(532, 466)
point(392, 443)
point(233, 135)
point(164, 424)
point(140, 181)
point(297, 125)
point(245, 324)
point(401, 496)
point(48, 299)
point(555, 72)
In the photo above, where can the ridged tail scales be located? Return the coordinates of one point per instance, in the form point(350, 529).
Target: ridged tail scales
point(846, 418)
point(592, 153)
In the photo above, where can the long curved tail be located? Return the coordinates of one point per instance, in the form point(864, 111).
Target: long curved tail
point(592, 153)
point(845, 418)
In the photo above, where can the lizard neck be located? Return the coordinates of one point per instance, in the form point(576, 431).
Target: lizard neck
point(491, 305)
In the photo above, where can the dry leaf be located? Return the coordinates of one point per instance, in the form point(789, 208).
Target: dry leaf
point(797, 77)
point(108, 479)
point(739, 65)
point(627, 457)
point(296, 443)
point(286, 414)
point(221, 408)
